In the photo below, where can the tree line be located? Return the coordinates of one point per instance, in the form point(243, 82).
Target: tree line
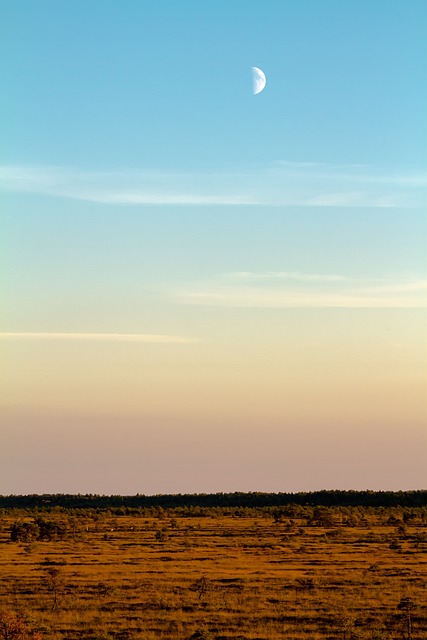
point(333, 498)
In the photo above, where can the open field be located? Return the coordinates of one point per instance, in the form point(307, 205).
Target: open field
point(295, 573)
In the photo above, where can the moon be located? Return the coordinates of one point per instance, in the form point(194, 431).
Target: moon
point(258, 80)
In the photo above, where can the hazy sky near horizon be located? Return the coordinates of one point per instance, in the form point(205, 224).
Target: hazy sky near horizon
point(204, 289)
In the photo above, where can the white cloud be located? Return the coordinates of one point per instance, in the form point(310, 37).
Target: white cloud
point(135, 197)
point(122, 188)
point(287, 275)
point(99, 337)
point(284, 184)
point(297, 290)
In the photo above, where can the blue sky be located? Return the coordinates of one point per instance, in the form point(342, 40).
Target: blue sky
point(166, 85)
point(182, 257)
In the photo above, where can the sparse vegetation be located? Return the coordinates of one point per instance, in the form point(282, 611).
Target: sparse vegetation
point(257, 573)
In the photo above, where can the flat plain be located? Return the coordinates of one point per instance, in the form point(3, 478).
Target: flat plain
point(215, 574)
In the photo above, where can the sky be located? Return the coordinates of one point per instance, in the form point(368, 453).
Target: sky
point(207, 290)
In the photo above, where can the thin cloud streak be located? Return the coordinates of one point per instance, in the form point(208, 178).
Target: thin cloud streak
point(99, 337)
point(288, 275)
point(285, 184)
point(135, 198)
point(122, 188)
point(244, 298)
point(294, 290)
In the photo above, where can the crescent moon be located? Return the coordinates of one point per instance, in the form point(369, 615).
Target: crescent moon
point(258, 80)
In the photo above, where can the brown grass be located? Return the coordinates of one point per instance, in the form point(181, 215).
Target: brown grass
point(219, 576)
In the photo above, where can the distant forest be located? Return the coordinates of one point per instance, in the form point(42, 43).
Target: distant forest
point(334, 498)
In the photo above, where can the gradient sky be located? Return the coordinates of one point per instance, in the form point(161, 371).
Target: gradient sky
point(204, 289)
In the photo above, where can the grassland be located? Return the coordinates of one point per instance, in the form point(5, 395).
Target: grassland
point(337, 573)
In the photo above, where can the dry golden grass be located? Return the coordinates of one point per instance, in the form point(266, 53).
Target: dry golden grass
point(223, 577)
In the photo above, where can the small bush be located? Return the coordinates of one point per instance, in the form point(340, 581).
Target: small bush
point(14, 626)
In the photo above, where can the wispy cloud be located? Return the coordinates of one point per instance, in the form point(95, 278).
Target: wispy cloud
point(287, 275)
point(122, 187)
point(99, 337)
point(298, 290)
point(284, 184)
